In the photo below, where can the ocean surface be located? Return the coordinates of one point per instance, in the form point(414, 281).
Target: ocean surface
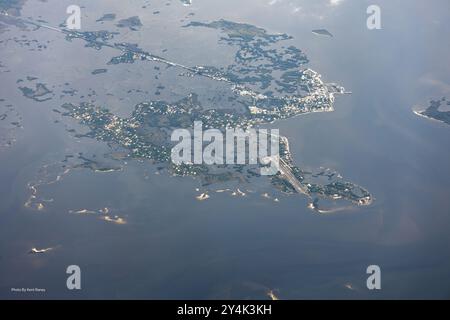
point(174, 246)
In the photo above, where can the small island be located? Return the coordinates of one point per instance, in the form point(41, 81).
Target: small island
point(322, 32)
point(432, 111)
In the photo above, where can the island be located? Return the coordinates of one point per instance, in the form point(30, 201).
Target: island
point(432, 111)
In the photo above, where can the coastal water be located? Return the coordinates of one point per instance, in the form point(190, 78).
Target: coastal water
point(174, 246)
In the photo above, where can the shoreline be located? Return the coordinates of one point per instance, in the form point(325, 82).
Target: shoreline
point(419, 113)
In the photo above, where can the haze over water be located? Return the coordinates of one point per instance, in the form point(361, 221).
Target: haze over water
point(174, 246)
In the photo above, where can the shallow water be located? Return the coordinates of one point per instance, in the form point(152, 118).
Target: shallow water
point(174, 246)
